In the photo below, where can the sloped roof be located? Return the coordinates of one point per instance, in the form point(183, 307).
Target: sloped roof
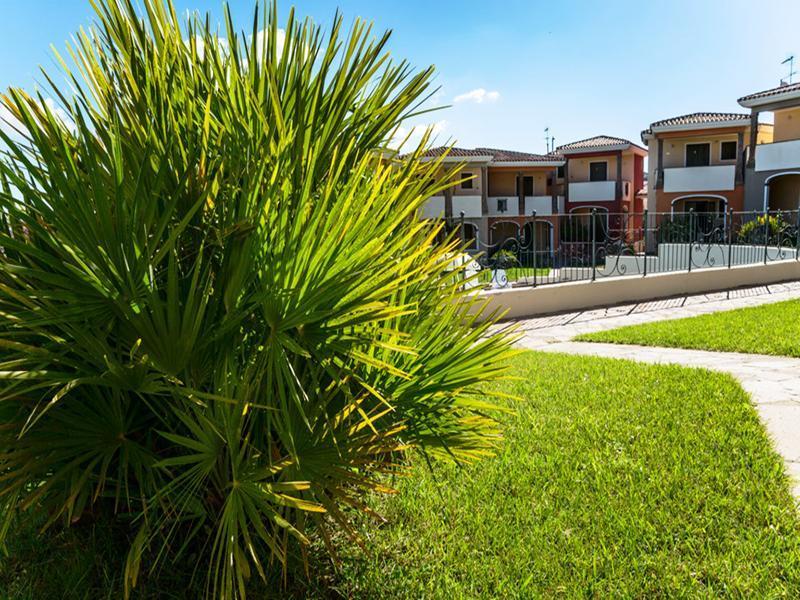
point(598, 142)
point(594, 142)
point(499, 155)
point(492, 155)
point(770, 93)
point(453, 151)
point(700, 118)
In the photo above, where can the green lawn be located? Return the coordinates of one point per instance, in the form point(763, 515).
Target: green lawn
point(767, 329)
point(615, 479)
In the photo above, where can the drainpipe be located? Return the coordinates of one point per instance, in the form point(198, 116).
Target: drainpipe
point(659, 183)
point(751, 159)
point(740, 159)
point(766, 197)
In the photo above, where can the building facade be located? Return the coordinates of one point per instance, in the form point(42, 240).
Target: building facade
point(498, 192)
point(603, 174)
point(503, 194)
point(772, 176)
point(697, 161)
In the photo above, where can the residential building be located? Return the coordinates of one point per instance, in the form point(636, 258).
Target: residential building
point(602, 173)
point(603, 176)
point(773, 170)
point(499, 191)
point(697, 161)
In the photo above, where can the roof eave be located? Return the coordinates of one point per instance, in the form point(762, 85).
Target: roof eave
point(458, 159)
point(772, 99)
point(591, 149)
point(528, 163)
point(691, 126)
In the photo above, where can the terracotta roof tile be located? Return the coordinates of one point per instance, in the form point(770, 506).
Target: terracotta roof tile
point(515, 156)
point(700, 118)
point(498, 155)
point(598, 141)
point(454, 152)
point(781, 89)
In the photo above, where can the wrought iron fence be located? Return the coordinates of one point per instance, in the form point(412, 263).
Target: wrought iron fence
point(539, 250)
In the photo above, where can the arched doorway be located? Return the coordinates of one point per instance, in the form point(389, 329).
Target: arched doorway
point(700, 204)
point(782, 192)
point(503, 235)
point(707, 211)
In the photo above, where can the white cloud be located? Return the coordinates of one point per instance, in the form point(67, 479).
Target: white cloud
point(200, 44)
point(8, 122)
point(61, 115)
point(261, 40)
point(408, 138)
point(14, 128)
point(478, 95)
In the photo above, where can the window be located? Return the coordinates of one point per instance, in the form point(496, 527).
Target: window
point(560, 172)
point(598, 171)
point(698, 155)
point(502, 205)
point(727, 151)
point(466, 185)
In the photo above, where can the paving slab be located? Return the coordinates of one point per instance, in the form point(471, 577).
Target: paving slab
point(773, 382)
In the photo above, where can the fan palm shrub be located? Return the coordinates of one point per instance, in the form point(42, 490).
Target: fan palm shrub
point(221, 322)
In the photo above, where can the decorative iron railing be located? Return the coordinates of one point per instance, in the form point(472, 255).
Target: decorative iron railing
point(539, 250)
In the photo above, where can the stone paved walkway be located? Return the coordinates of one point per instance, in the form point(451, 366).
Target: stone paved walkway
point(772, 382)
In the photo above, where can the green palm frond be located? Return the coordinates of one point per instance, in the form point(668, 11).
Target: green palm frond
point(220, 317)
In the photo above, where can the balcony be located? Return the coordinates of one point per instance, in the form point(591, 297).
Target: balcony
point(433, 208)
point(700, 179)
point(543, 205)
point(778, 156)
point(469, 205)
point(592, 191)
point(500, 206)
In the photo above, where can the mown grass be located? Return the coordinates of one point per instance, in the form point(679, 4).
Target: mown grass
point(768, 329)
point(614, 479)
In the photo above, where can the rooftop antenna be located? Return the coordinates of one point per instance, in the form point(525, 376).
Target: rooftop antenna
point(792, 72)
point(547, 139)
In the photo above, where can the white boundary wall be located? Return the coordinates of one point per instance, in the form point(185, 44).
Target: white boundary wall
point(579, 295)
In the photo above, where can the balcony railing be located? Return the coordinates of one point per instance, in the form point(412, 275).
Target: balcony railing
point(508, 206)
point(471, 206)
point(778, 156)
point(543, 205)
point(700, 179)
point(501, 206)
point(593, 191)
point(433, 208)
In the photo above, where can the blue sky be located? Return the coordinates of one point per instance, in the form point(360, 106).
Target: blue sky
point(580, 67)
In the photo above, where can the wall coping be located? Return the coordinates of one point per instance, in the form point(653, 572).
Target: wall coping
point(527, 301)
